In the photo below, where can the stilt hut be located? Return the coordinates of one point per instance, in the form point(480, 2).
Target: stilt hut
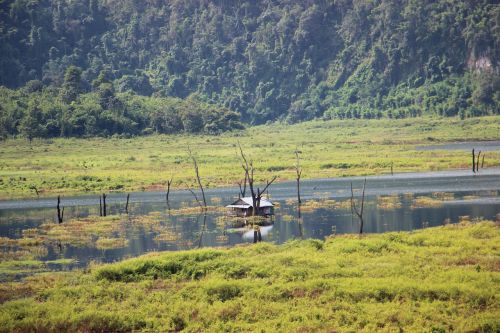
point(244, 207)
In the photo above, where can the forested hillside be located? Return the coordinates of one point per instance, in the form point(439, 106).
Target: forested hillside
point(100, 67)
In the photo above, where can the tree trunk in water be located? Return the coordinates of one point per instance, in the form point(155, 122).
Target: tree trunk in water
point(473, 161)
point(477, 161)
point(126, 206)
point(103, 204)
point(169, 182)
point(298, 171)
point(298, 191)
point(59, 214)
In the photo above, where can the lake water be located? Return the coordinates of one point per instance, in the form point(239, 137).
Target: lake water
point(453, 195)
point(483, 146)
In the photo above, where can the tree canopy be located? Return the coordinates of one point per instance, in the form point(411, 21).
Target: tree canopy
point(266, 60)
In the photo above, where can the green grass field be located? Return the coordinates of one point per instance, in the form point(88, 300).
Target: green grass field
point(328, 149)
point(443, 279)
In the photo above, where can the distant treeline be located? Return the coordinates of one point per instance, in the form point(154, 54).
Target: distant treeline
point(38, 111)
point(267, 60)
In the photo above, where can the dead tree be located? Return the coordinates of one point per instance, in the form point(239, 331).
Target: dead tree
point(60, 214)
point(195, 164)
point(477, 161)
point(392, 168)
point(354, 208)
point(100, 206)
point(169, 182)
point(298, 171)
point(249, 176)
point(103, 204)
point(482, 161)
point(126, 206)
point(473, 161)
point(248, 168)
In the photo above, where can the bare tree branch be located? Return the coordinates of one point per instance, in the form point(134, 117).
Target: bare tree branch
point(195, 196)
point(249, 177)
point(198, 176)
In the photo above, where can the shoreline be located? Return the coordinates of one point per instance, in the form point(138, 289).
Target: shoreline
point(402, 175)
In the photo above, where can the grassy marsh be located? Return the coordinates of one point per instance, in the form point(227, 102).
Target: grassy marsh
point(433, 280)
point(328, 149)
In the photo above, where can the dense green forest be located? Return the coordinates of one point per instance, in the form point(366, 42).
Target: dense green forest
point(103, 67)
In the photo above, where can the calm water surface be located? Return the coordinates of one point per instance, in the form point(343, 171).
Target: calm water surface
point(483, 146)
point(476, 196)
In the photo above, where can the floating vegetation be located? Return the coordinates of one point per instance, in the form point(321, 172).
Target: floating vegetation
point(287, 218)
point(81, 232)
point(221, 239)
point(223, 220)
point(150, 222)
point(216, 200)
point(313, 205)
point(30, 232)
point(238, 222)
point(168, 236)
point(196, 210)
point(5, 241)
point(11, 268)
point(62, 261)
point(346, 204)
point(470, 197)
point(408, 196)
point(388, 202)
point(423, 202)
point(435, 200)
point(443, 196)
point(323, 195)
point(111, 243)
